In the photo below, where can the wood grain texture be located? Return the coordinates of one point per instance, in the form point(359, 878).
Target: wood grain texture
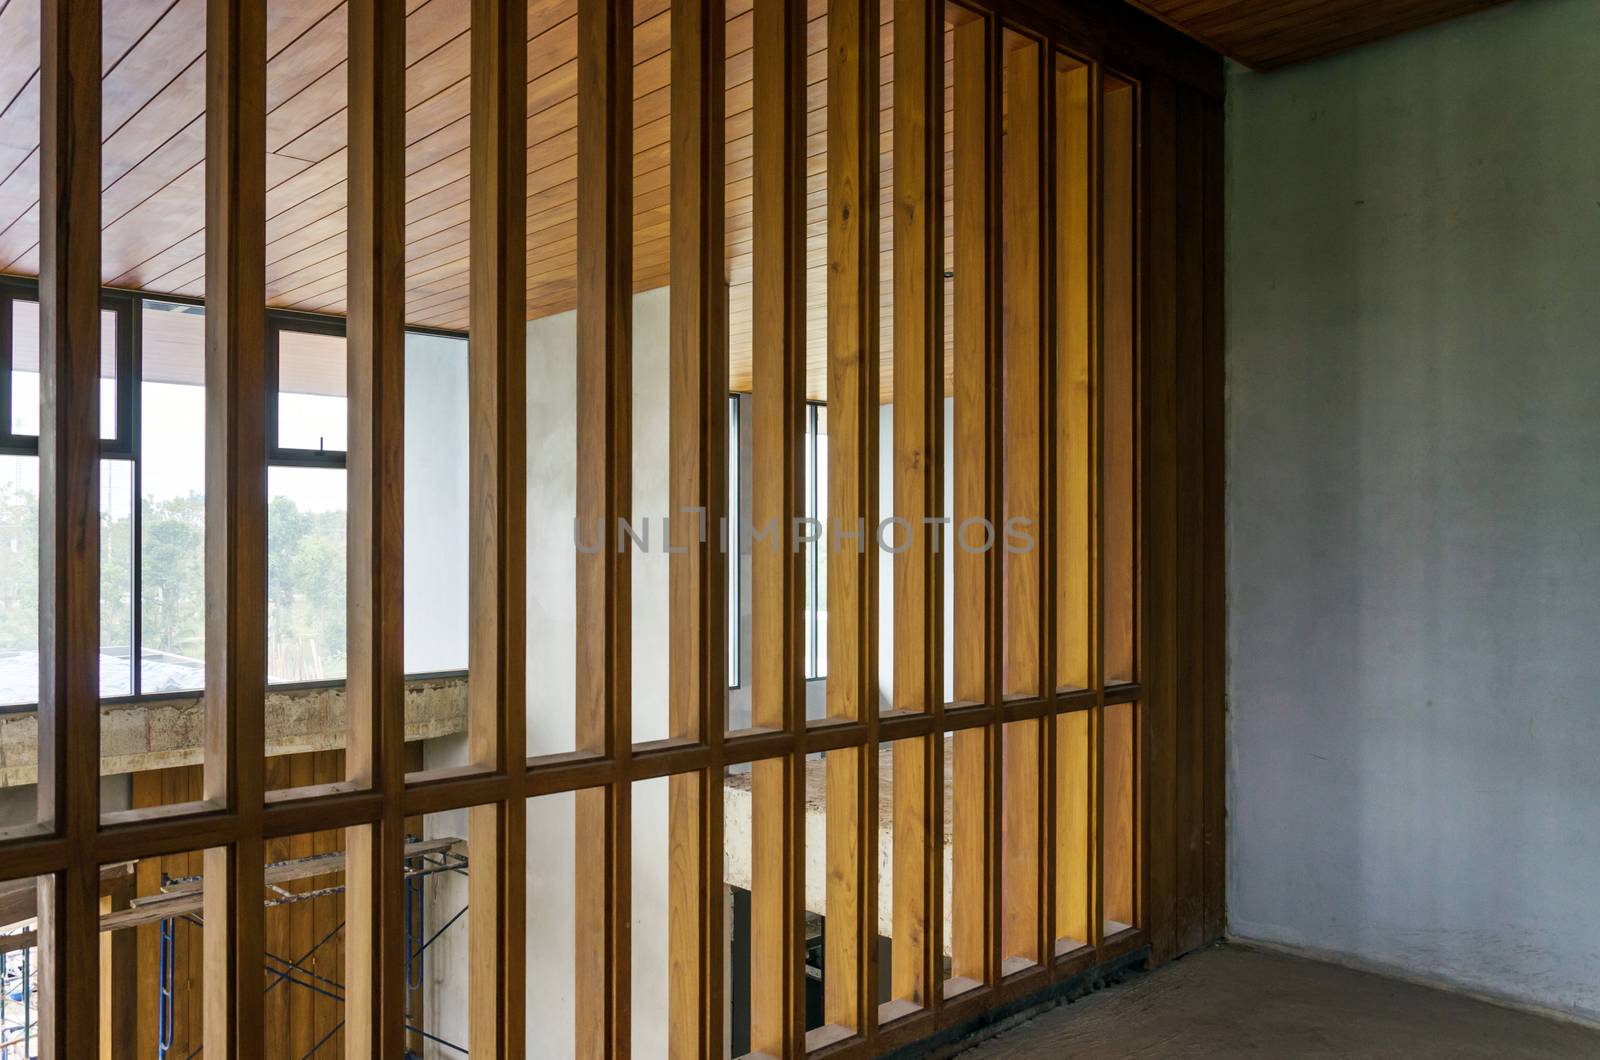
point(153, 178)
point(918, 467)
point(375, 549)
point(604, 496)
point(236, 518)
point(497, 528)
point(698, 442)
point(850, 944)
point(69, 520)
point(777, 998)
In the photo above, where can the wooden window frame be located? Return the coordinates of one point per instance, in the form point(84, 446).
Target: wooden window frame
point(1177, 699)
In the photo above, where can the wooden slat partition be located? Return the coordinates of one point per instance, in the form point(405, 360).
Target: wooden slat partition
point(698, 435)
point(236, 518)
point(1084, 372)
point(375, 1003)
point(69, 520)
point(497, 529)
point(918, 764)
point(604, 838)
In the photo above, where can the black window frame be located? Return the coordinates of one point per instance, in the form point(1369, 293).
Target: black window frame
point(128, 307)
point(279, 455)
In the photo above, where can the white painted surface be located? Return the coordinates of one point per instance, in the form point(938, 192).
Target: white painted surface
point(1414, 504)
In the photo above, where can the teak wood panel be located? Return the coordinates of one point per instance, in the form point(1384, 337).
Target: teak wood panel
point(1085, 820)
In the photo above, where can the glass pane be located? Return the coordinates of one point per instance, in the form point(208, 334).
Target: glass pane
point(552, 916)
point(305, 574)
point(172, 485)
point(19, 579)
point(312, 410)
point(25, 409)
point(116, 578)
point(436, 504)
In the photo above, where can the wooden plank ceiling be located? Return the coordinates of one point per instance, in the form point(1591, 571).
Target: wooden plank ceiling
point(1267, 34)
point(154, 164)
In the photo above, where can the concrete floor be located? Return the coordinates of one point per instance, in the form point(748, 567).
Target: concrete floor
point(1233, 1000)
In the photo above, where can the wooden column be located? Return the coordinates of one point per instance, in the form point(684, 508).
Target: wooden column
point(918, 799)
point(69, 520)
point(1023, 538)
point(777, 903)
point(605, 452)
point(850, 983)
point(497, 525)
point(374, 944)
point(698, 620)
point(236, 517)
point(976, 451)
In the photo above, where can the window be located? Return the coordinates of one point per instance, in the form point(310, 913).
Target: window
point(152, 498)
point(20, 418)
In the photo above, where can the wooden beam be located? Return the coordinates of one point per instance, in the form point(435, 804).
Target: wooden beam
point(497, 526)
point(975, 503)
point(236, 518)
point(374, 943)
point(605, 491)
point(69, 521)
point(698, 427)
point(1022, 782)
point(777, 989)
point(850, 942)
point(918, 765)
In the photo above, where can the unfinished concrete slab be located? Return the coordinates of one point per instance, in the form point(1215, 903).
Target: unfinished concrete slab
point(1234, 1000)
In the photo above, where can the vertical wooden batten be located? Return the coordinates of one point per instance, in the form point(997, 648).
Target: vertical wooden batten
point(497, 525)
point(850, 942)
point(777, 901)
point(1023, 368)
point(698, 428)
point(605, 491)
point(69, 521)
point(975, 751)
point(236, 518)
point(1075, 145)
point(375, 999)
point(918, 764)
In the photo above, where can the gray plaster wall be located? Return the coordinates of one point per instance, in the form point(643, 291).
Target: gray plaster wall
point(1414, 504)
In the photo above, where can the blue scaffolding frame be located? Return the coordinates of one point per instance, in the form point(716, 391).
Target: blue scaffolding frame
point(418, 868)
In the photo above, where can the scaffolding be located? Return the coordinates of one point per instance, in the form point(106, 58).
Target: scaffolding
point(180, 902)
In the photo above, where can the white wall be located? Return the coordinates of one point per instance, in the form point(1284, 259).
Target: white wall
point(1414, 504)
point(551, 714)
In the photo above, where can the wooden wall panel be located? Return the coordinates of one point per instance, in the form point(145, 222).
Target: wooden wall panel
point(1085, 324)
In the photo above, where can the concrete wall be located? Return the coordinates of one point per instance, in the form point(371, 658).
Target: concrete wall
point(1414, 504)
